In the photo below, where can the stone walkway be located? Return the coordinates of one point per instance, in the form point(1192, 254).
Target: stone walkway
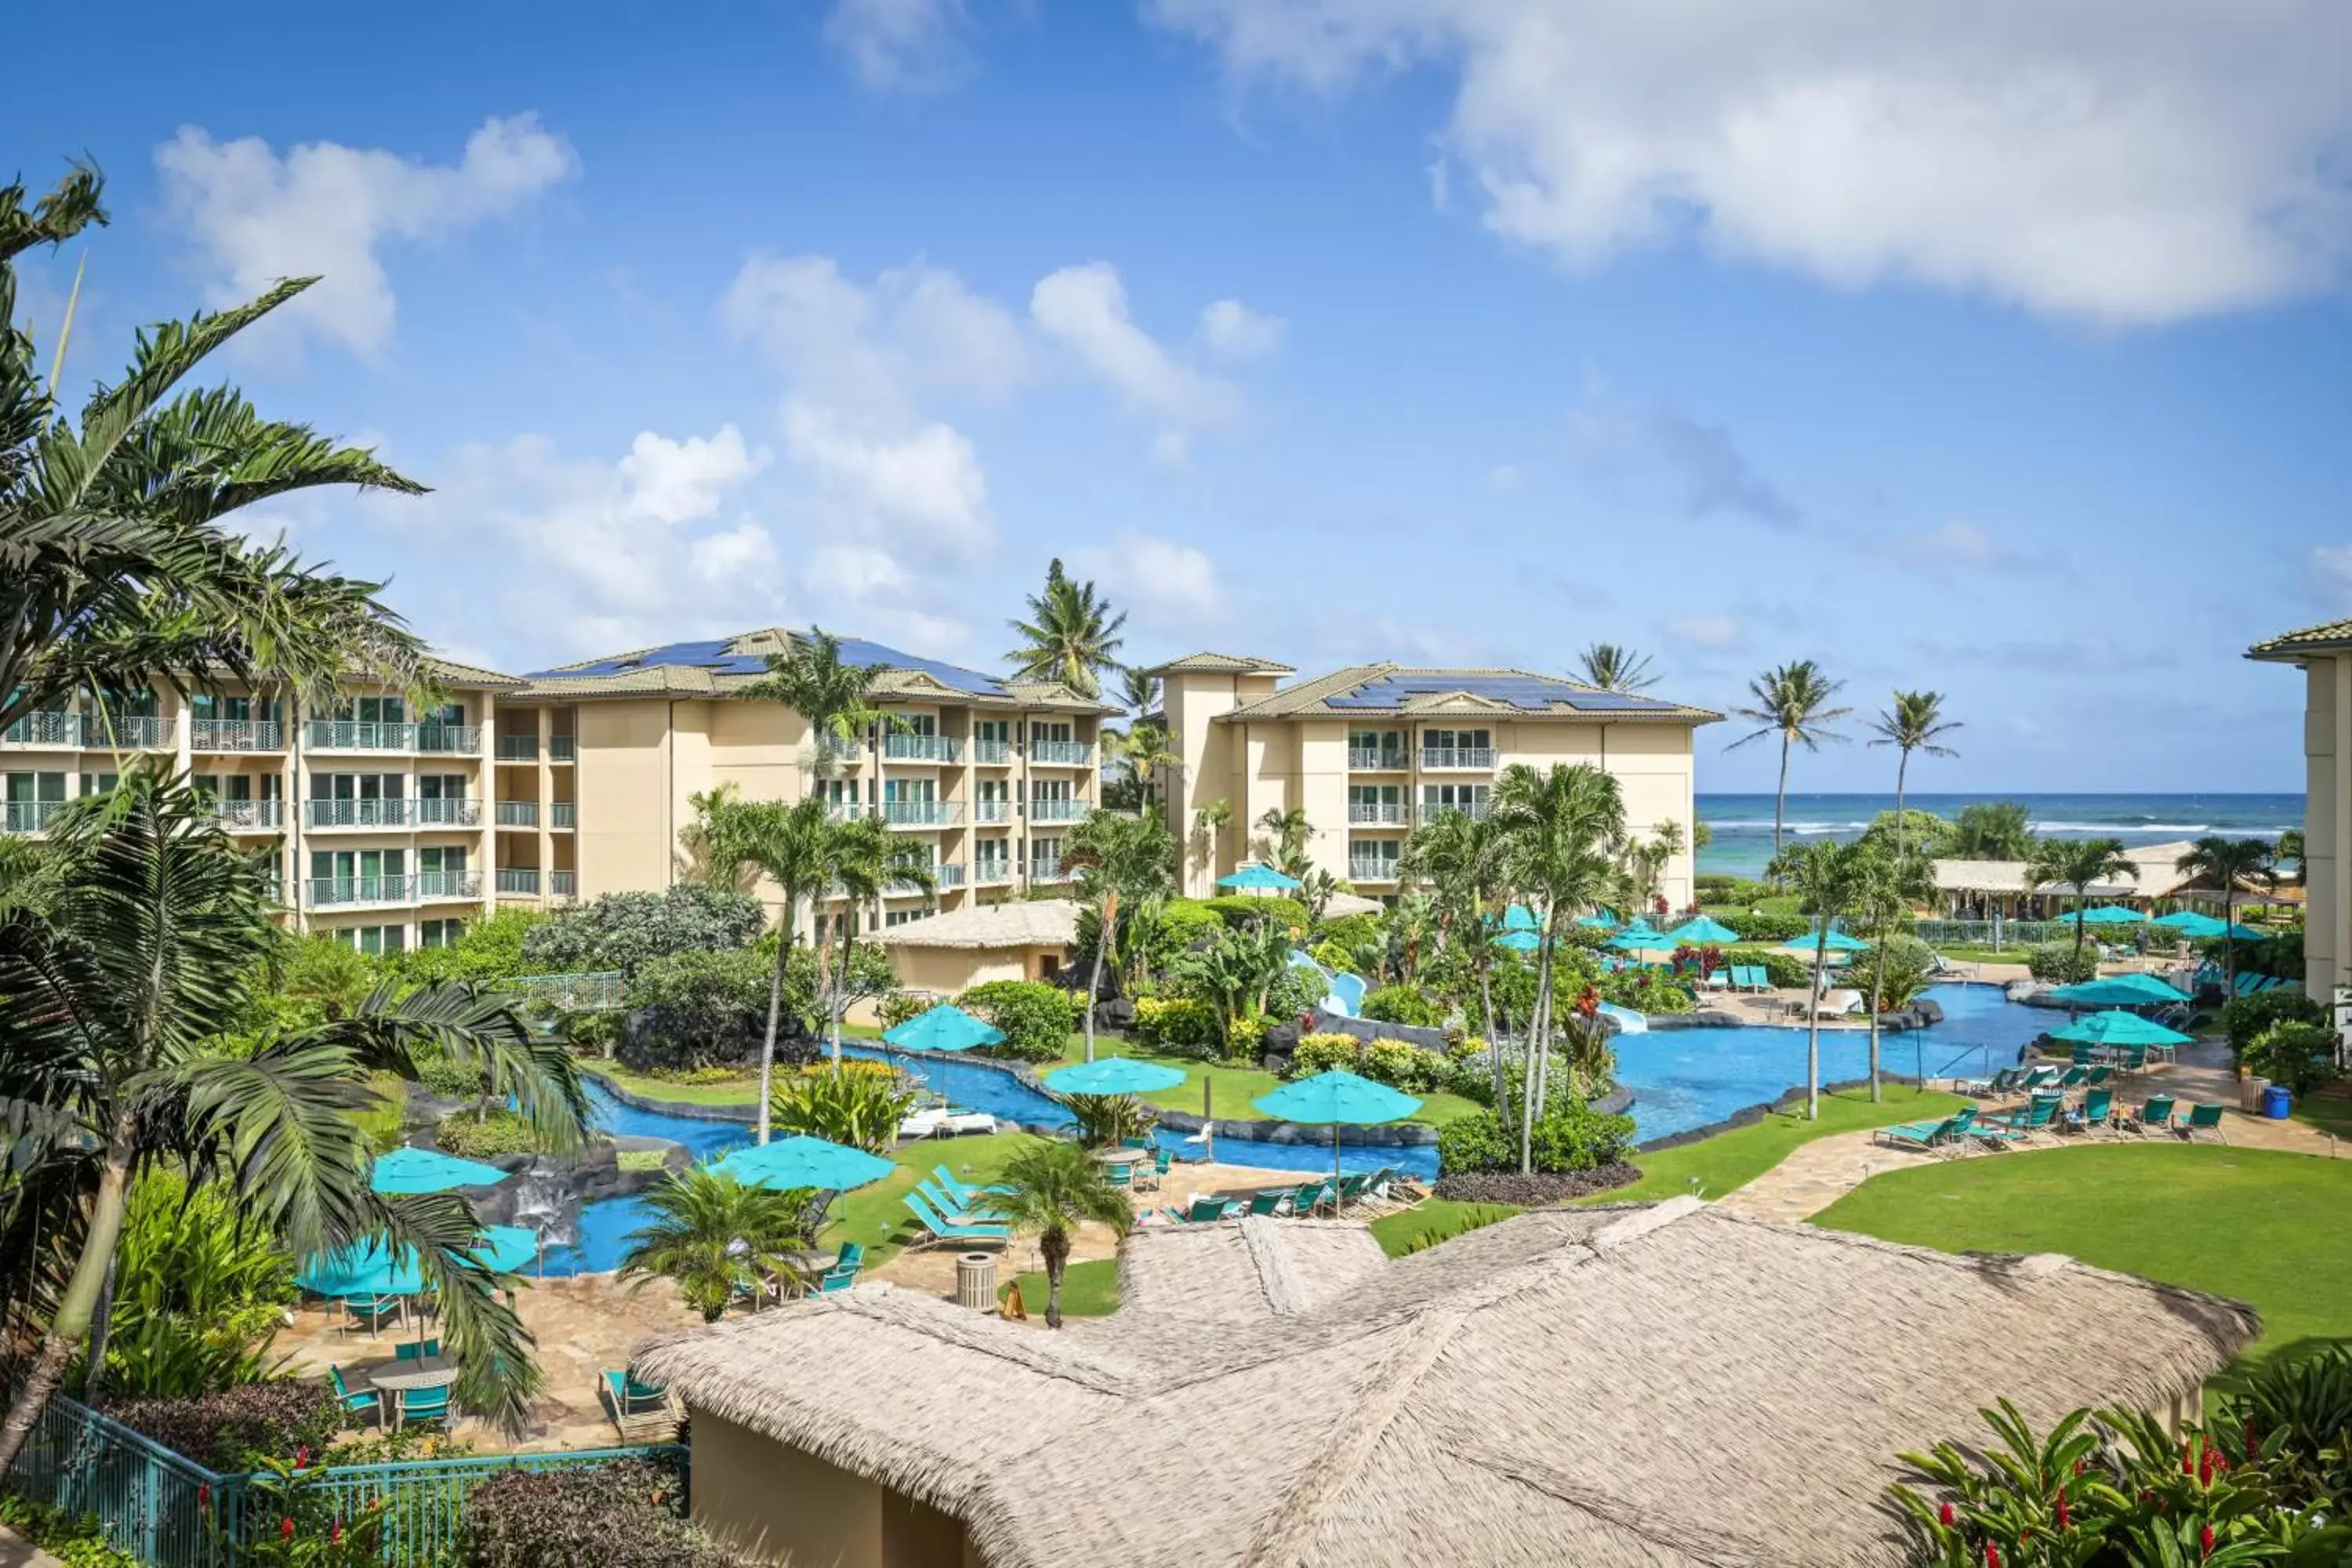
point(16, 1551)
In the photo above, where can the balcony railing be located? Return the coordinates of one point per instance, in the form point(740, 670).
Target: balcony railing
point(991, 752)
point(562, 814)
point(562, 748)
point(992, 811)
point(518, 879)
point(1375, 758)
point(922, 813)
point(28, 815)
point(392, 889)
point(449, 884)
point(841, 750)
point(235, 735)
point(355, 814)
point(357, 735)
point(1477, 810)
point(455, 739)
point(1061, 754)
point(518, 748)
point(449, 813)
point(1457, 757)
point(949, 873)
point(1373, 870)
point(130, 732)
point(921, 748)
point(1043, 869)
point(1053, 808)
point(845, 810)
point(1383, 814)
point(45, 728)
point(249, 814)
point(989, 873)
point(563, 884)
point(517, 813)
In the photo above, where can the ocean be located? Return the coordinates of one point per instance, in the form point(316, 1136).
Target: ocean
point(1742, 823)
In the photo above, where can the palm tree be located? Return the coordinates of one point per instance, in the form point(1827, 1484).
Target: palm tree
point(1138, 693)
point(1992, 830)
point(834, 700)
point(793, 847)
point(1886, 889)
point(1288, 832)
point(1116, 858)
point(1791, 702)
point(1555, 827)
point(113, 1003)
point(1057, 1186)
point(2226, 862)
point(2078, 863)
point(1069, 637)
point(1915, 724)
point(1147, 750)
point(2290, 850)
point(1611, 667)
point(716, 853)
point(1209, 824)
point(118, 566)
point(865, 860)
point(1827, 878)
point(1462, 857)
point(719, 1239)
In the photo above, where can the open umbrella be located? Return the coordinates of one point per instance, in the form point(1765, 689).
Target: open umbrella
point(373, 1267)
point(429, 1170)
point(1334, 1099)
point(1518, 917)
point(2107, 915)
point(2193, 925)
point(2117, 1028)
point(1706, 930)
point(1519, 941)
point(1835, 941)
point(1598, 920)
point(803, 1162)
point(1256, 878)
point(946, 1027)
point(2118, 991)
point(1113, 1074)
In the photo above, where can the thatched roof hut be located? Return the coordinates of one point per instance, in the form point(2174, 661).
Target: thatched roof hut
point(1022, 938)
point(1660, 1385)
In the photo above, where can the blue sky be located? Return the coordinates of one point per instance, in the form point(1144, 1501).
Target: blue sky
point(2012, 360)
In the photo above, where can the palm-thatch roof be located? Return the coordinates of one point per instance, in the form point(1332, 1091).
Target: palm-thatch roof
point(1660, 1385)
point(1019, 923)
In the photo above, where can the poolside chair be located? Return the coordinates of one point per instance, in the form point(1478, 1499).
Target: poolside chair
point(373, 1310)
point(1719, 980)
point(940, 1229)
point(2134, 1060)
point(2202, 1119)
point(2097, 1111)
point(1758, 978)
point(1935, 1137)
point(965, 1194)
point(2000, 1086)
point(416, 1350)
point(2085, 1055)
point(2038, 1079)
point(643, 1412)
point(1311, 1196)
point(2246, 985)
point(1163, 1162)
point(1838, 1004)
point(1268, 1203)
point(2156, 1113)
point(2098, 1076)
point(2021, 1124)
point(367, 1402)
point(420, 1404)
point(1205, 1211)
point(1354, 1188)
point(2073, 1077)
point(843, 1273)
point(949, 1210)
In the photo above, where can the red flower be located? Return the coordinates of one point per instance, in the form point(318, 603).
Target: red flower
point(302, 1456)
point(203, 1497)
point(2205, 1469)
point(335, 1532)
point(1992, 1555)
point(285, 1530)
point(1947, 1514)
point(2205, 1539)
point(2065, 1518)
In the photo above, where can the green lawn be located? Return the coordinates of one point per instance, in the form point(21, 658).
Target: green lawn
point(878, 1215)
point(1232, 1089)
point(2264, 1228)
point(2330, 1109)
point(742, 1090)
point(1089, 1289)
point(1431, 1221)
point(1717, 1165)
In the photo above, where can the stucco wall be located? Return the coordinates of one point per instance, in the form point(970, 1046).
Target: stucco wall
point(626, 830)
point(948, 970)
point(2326, 940)
point(775, 1504)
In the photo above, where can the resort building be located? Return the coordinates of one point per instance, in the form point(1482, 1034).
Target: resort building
point(946, 953)
point(1671, 1384)
point(1369, 751)
point(2325, 654)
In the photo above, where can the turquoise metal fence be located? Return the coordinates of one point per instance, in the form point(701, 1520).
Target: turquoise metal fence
point(597, 992)
point(2006, 934)
point(424, 1500)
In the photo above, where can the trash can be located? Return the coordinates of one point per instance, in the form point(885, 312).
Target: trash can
point(976, 1281)
point(2274, 1102)
point(2250, 1090)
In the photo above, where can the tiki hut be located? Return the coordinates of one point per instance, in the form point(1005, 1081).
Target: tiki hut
point(1632, 1385)
point(1028, 939)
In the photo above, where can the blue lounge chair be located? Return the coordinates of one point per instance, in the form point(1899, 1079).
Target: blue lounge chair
point(642, 1411)
point(942, 1229)
point(2021, 1124)
point(373, 1310)
point(1930, 1137)
point(420, 1404)
point(2097, 1111)
point(949, 1208)
point(367, 1402)
point(843, 1273)
point(965, 1194)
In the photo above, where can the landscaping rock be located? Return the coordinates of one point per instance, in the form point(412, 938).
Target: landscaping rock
point(1373, 1029)
point(1703, 1018)
point(1930, 1011)
point(1118, 1016)
point(1537, 1190)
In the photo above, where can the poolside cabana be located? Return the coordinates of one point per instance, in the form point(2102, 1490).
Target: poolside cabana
point(1666, 1385)
point(1029, 938)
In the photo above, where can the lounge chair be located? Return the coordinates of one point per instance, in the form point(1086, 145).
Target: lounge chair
point(2073, 1077)
point(2098, 1077)
point(2040, 1078)
point(373, 1310)
point(1717, 979)
point(965, 1194)
point(2097, 1111)
point(1838, 1004)
point(1759, 979)
point(1163, 1162)
point(1311, 1196)
point(2156, 1113)
point(2246, 985)
point(1929, 1137)
point(1265, 1204)
point(643, 1412)
point(366, 1403)
point(1354, 1188)
point(951, 1210)
point(2202, 1119)
point(2000, 1086)
point(961, 1232)
point(1205, 1211)
point(842, 1274)
point(2021, 1124)
point(421, 1404)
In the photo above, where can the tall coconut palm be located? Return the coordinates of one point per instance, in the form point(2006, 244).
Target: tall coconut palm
point(719, 1239)
point(1886, 887)
point(865, 860)
point(1915, 723)
point(1070, 635)
point(1209, 824)
point(1827, 878)
point(793, 847)
point(834, 700)
point(119, 566)
point(1116, 860)
point(113, 1006)
point(1054, 1188)
point(715, 853)
point(1287, 834)
point(1138, 693)
point(1462, 858)
point(1793, 703)
point(1556, 829)
point(2226, 863)
point(1612, 668)
point(2079, 863)
point(1148, 751)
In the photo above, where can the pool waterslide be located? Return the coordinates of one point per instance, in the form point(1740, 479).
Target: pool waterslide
point(1629, 1022)
point(1343, 994)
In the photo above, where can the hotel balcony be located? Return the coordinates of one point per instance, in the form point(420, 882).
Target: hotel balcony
point(517, 813)
point(992, 753)
point(1056, 809)
point(235, 735)
point(341, 891)
point(431, 885)
point(991, 873)
point(563, 884)
point(1458, 757)
point(1043, 869)
point(356, 813)
point(518, 748)
point(57, 731)
point(522, 879)
point(1477, 810)
point(357, 735)
point(450, 739)
point(842, 751)
point(562, 814)
point(562, 748)
point(922, 813)
point(449, 813)
point(1368, 759)
point(1372, 870)
point(987, 811)
point(28, 815)
point(250, 815)
point(1378, 814)
point(949, 873)
point(1061, 754)
point(845, 810)
point(920, 748)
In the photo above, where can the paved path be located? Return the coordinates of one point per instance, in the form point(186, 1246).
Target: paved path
point(16, 1551)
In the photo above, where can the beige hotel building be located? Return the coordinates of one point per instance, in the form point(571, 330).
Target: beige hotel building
point(2323, 655)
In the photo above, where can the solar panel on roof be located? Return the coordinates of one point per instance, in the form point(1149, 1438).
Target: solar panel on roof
point(1529, 693)
point(715, 655)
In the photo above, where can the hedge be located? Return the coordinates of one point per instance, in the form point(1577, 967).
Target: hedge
point(1036, 1018)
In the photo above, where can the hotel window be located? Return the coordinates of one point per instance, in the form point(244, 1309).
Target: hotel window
point(992, 730)
point(1457, 740)
point(1374, 796)
point(919, 789)
point(1368, 746)
point(440, 933)
point(992, 854)
point(1469, 797)
point(999, 790)
point(103, 783)
point(1040, 732)
point(378, 940)
point(211, 705)
point(452, 713)
point(916, 724)
point(374, 710)
point(840, 792)
point(1383, 850)
point(1043, 790)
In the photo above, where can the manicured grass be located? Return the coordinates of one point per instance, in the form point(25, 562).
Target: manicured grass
point(1089, 1291)
point(1431, 1221)
point(1717, 1165)
point(1232, 1089)
point(2262, 1226)
point(2330, 1109)
point(878, 1215)
point(743, 1089)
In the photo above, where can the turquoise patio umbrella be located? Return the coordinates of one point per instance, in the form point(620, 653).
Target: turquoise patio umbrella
point(1836, 942)
point(1704, 931)
point(1113, 1074)
point(429, 1170)
point(2195, 926)
point(2106, 915)
point(1519, 941)
point(803, 1162)
point(371, 1267)
point(1256, 878)
point(1598, 920)
point(2117, 1028)
point(1337, 1098)
point(1518, 917)
point(2118, 991)
point(946, 1027)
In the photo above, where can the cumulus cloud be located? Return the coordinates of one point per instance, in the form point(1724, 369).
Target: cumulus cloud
point(254, 217)
point(1084, 310)
point(926, 484)
point(1234, 331)
point(1165, 585)
point(898, 46)
point(2118, 161)
point(1715, 633)
point(1959, 543)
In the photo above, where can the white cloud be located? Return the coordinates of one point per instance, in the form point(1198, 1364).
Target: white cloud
point(2334, 562)
point(898, 45)
point(926, 485)
point(1716, 633)
point(1234, 331)
point(1960, 543)
point(1165, 585)
point(323, 208)
point(2118, 161)
point(1084, 308)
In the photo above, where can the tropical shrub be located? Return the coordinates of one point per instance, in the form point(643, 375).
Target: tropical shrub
point(1104, 1118)
point(627, 930)
point(1036, 1018)
point(479, 1133)
point(627, 1514)
point(717, 1238)
point(1184, 921)
point(1321, 1053)
point(2279, 954)
point(1400, 1004)
point(1294, 993)
point(900, 1006)
point(700, 1007)
point(2057, 962)
point(1753, 927)
point(77, 1541)
point(1345, 934)
point(1397, 1063)
point(1646, 991)
point(442, 1077)
point(1902, 967)
point(1245, 910)
point(330, 977)
point(197, 1296)
point(2243, 1018)
point(1180, 1025)
point(1478, 1142)
point(1570, 1136)
point(489, 948)
point(2299, 1055)
point(859, 1109)
point(238, 1428)
point(1244, 1035)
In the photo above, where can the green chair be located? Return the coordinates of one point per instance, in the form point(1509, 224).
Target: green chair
point(416, 1350)
point(1352, 1188)
point(368, 1403)
point(1120, 1173)
point(642, 1411)
point(843, 1273)
point(1265, 1204)
point(421, 1404)
point(940, 1229)
point(960, 1213)
point(965, 1194)
point(2019, 1125)
point(2099, 1076)
point(1926, 1137)
point(1311, 1196)
point(2203, 1118)
point(1135, 1142)
point(2085, 1055)
point(373, 1310)
point(2074, 1077)
point(2040, 1078)
point(2156, 1113)
point(2097, 1111)
point(2000, 1086)
point(1205, 1210)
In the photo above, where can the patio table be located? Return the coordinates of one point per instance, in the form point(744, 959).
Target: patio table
point(426, 1372)
point(1122, 1156)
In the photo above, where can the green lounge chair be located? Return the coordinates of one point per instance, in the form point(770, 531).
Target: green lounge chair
point(2016, 1126)
point(965, 1194)
point(2073, 1077)
point(942, 1229)
point(2156, 1113)
point(2040, 1078)
point(372, 1310)
point(2085, 1055)
point(2202, 1119)
point(1311, 1196)
point(2246, 984)
point(2097, 1111)
point(642, 1411)
point(368, 1403)
point(1927, 1137)
point(2098, 1076)
point(1265, 1204)
point(1205, 1211)
point(843, 1273)
point(949, 1210)
point(416, 1350)
point(421, 1404)
point(2000, 1086)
